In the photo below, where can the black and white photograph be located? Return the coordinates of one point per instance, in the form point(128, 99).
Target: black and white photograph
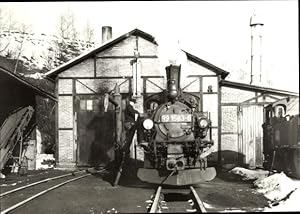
point(149, 107)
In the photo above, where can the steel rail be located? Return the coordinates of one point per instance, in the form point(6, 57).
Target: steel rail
point(155, 201)
point(40, 193)
point(38, 182)
point(198, 200)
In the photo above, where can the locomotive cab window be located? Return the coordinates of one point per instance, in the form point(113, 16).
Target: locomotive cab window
point(279, 111)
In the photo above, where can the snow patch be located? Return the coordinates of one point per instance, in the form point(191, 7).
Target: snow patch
point(45, 161)
point(232, 211)
point(35, 76)
point(40, 51)
point(282, 192)
point(248, 174)
point(291, 204)
point(275, 187)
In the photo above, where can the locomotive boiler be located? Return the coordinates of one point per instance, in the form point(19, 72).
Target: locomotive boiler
point(175, 135)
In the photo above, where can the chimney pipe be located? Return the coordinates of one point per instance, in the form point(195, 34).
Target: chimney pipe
point(256, 50)
point(173, 80)
point(106, 33)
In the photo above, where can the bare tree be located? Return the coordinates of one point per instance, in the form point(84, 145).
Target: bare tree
point(68, 35)
point(88, 33)
point(7, 24)
point(24, 29)
point(49, 59)
point(66, 26)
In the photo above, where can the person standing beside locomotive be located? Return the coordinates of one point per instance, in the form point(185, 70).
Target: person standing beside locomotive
point(131, 116)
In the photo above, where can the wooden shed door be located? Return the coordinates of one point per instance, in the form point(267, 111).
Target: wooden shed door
point(94, 132)
point(250, 137)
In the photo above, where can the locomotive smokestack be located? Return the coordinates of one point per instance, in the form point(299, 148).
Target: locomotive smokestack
point(106, 33)
point(173, 80)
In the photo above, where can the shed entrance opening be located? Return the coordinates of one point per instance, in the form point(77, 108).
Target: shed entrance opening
point(95, 138)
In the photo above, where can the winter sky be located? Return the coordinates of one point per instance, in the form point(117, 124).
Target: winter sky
point(216, 31)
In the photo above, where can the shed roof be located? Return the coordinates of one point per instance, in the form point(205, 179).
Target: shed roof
point(135, 32)
point(7, 76)
point(104, 46)
point(207, 65)
point(255, 88)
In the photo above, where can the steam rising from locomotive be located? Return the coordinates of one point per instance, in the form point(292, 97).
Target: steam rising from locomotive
point(175, 135)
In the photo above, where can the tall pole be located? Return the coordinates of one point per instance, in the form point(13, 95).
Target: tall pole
point(256, 50)
point(117, 98)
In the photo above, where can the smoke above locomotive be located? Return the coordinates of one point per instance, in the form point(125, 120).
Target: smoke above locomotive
point(175, 135)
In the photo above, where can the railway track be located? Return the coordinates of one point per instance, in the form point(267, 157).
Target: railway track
point(17, 197)
point(166, 201)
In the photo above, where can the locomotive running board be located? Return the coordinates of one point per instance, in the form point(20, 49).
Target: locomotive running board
point(182, 178)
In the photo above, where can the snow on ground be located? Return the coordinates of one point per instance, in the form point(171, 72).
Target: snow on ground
point(44, 161)
point(291, 204)
point(275, 187)
point(248, 174)
point(283, 192)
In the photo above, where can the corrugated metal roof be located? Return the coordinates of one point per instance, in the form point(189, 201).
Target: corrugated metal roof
point(255, 88)
point(21, 81)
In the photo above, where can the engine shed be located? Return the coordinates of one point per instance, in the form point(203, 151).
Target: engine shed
point(242, 115)
point(84, 132)
point(17, 114)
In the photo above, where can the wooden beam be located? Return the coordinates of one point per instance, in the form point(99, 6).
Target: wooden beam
point(74, 121)
point(66, 129)
point(92, 78)
point(56, 121)
point(201, 92)
point(219, 122)
point(127, 57)
point(95, 66)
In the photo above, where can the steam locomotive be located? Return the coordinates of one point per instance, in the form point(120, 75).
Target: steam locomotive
point(281, 139)
point(176, 136)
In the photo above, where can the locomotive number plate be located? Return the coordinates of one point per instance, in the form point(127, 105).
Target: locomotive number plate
point(171, 118)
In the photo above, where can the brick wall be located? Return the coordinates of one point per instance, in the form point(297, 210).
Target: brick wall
point(230, 95)
point(65, 86)
point(65, 112)
point(83, 69)
point(66, 146)
point(229, 119)
point(97, 84)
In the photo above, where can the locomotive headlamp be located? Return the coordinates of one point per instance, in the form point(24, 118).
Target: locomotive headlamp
point(148, 124)
point(203, 123)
